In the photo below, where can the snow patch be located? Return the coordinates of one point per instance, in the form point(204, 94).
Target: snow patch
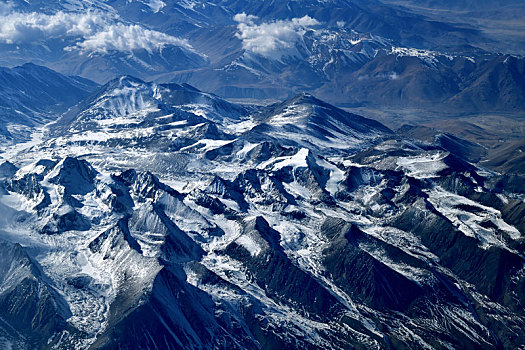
point(249, 244)
point(423, 166)
point(469, 222)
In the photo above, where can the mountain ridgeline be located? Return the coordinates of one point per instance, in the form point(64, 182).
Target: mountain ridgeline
point(230, 174)
point(403, 54)
point(159, 216)
point(32, 95)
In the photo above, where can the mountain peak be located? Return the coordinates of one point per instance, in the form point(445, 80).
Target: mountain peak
point(314, 123)
point(302, 98)
point(125, 81)
point(76, 175)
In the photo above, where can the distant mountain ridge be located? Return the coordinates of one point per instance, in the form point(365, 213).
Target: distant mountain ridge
point(350, 53)
point(32, 95)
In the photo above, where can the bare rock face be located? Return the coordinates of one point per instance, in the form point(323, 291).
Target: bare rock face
point(32, 310)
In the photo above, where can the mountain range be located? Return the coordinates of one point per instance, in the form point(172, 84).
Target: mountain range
point(224, 174)
point(351, 53)
point(160, 216)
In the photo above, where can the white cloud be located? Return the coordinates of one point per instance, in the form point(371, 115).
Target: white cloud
point(18, 27)
point(244, 18)
point(5, 8)
point(121, 37)
point(90, 31)
point(271, 39)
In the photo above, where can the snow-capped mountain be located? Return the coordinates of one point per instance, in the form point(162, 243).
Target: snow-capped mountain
point(158, 216)
point(350, 53)
point(181, 183)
